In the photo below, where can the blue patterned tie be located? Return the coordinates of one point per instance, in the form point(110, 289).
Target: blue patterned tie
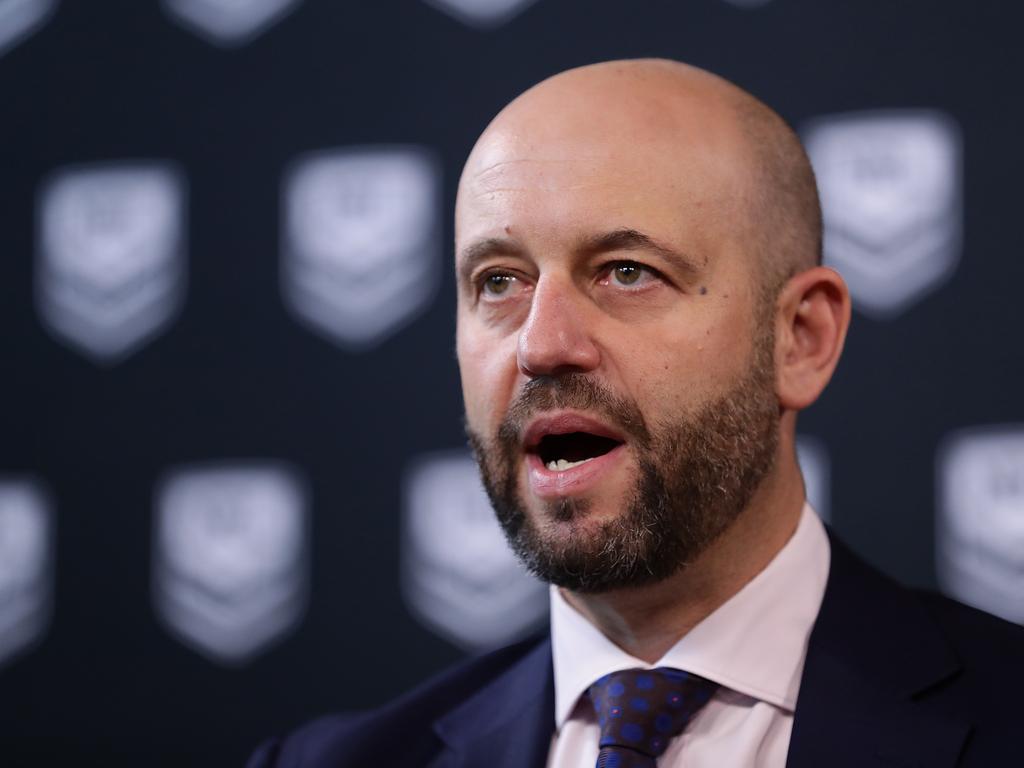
point(640, 710)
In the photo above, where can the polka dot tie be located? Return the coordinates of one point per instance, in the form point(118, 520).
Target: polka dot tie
point(640, 710)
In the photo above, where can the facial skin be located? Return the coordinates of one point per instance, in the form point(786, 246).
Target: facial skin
point(693, 477)
point(614, 239)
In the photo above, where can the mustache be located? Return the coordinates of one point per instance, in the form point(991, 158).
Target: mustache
point(575, 391)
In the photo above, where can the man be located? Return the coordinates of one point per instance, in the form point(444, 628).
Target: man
point(641, 315)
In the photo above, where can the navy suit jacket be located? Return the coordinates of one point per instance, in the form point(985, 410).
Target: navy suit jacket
point(893, 678)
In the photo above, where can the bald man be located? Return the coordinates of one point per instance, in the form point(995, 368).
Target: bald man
point(642, 314)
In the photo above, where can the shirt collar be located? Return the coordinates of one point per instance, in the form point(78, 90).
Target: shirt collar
point(754, 643)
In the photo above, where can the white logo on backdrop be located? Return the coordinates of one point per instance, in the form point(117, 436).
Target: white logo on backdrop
point(26, 565)
point(812, 456)
point(229, 22)
point(980, 526)
point(459, 577)
point(482, 13)
point(110, 270)
point(361, 240)
point(891, 194)
point(231, 557)
point(20, 18)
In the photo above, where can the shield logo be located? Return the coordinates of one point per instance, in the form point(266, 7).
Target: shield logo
point(228, 23)
point(20, 18)
point(980, 526)
point(360, 255)
point(231, 557)
point(459, 577)
point(485, 14)
point(26, 566)
point(812, 455)
point(890, 185)
point(110, 262)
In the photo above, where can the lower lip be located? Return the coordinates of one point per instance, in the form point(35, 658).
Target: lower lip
point(551, 484)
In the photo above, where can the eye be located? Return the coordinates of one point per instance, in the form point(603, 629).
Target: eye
point(497, 283)
point(628, 274)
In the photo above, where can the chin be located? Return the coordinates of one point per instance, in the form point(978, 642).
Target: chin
point(574, 515)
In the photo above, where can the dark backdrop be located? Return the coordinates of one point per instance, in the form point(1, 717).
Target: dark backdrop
point(234, 374)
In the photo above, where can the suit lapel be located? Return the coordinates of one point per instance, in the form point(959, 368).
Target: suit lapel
point(508, 723)
point(872, 653)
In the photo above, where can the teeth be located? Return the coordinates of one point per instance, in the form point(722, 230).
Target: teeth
point(561, 465)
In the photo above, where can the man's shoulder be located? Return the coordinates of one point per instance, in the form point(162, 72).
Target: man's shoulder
point(874, 604)
point(982, 688)
point(402, 728)
point(980, 640)
point(971, 632)
point(923, 679)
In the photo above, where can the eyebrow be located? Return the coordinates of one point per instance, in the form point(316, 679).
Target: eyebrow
point(476, 252)
point(633, 240)
point(615, 240)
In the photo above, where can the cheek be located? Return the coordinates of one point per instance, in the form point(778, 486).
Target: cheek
point(488, 371)
point(679, 369)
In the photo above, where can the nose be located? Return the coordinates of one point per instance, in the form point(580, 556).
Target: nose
point(557, 335)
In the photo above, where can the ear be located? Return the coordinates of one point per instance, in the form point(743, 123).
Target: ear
point(812, 315)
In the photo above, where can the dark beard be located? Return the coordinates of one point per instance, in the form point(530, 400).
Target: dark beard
point(695, 476)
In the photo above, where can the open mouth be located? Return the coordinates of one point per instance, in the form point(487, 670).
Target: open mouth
point(559, 452)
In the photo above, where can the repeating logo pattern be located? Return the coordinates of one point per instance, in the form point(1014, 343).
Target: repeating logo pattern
point(812, 455)
point(980, 525)
point(231, 557)
point(891, 195)
point(229, 22)
point(26, 566)
point(459, 577)
point(20, 18)
point(360, 259)
point(361, 252)
point(110, 270)
point(482, 13)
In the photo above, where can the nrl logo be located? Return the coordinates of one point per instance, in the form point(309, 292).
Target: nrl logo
point(110, 271)
point(230, 567)
point(20, 18)
point(228, 22)
point(890, 185)
point(459, 577)
point(360, 251)
point(26, 565)
point(482, 13)
point(812, 455)
point(980, 526)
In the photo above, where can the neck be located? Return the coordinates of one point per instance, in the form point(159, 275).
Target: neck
point(646, 621)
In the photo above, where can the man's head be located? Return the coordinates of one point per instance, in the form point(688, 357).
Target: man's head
point(636, 248)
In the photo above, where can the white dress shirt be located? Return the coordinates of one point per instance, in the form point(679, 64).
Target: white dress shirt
point(754, 646)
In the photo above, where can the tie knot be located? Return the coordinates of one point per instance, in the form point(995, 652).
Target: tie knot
point(641, 709)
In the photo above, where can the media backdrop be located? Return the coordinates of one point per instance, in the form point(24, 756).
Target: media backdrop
point(234, 492)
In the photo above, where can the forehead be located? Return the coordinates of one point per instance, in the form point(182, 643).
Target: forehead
point(568, 178)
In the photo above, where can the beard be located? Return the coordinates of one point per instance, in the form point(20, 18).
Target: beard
point(695, 476)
